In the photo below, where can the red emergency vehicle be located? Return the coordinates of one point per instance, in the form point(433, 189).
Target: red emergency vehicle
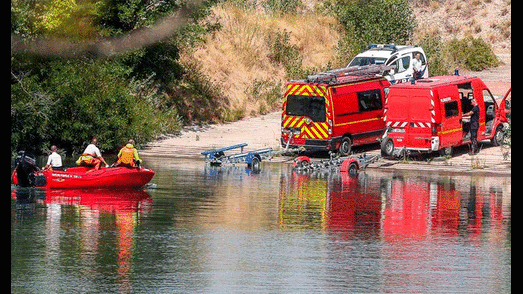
point(335, 110)
point(428, 115)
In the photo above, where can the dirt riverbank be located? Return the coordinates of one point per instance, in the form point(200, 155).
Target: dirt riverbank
point(264, 131)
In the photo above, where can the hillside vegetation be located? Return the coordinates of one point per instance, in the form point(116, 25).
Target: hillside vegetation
point(243, 56)
point(254, 53)
point(225, 61)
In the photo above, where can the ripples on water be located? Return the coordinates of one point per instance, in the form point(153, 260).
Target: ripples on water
point(203, 229)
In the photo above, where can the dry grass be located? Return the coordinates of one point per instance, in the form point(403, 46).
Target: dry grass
point(236, 56)
point(236, 59)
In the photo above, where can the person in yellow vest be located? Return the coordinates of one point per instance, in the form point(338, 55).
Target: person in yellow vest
point(128, 155)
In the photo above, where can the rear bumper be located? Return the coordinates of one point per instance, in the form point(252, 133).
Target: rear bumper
point(314, 145)
point(401, 144)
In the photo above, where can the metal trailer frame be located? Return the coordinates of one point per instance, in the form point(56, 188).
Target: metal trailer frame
point(217, 157)
point(349, 164)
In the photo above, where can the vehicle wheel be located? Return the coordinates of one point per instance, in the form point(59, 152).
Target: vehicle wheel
point(353, 169)
point(499, 136)
point(304, 164)
point(447, 151)
point(255, 164)
point(387, 147)
point(345, 146)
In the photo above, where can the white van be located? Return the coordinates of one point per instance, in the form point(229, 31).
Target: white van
point(393, 55)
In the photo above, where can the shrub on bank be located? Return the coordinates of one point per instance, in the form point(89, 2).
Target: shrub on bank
point(470, 53)
point(66, 102)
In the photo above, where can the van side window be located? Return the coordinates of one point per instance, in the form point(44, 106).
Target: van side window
point(421, 58)
point(466, 94)
point(370, 100)
point(451, 109)
point(490, 105)
point(401, 64)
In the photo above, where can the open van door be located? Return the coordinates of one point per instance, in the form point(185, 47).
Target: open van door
point(451, 118)
point(503, 113)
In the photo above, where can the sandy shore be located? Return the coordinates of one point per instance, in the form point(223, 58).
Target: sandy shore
point(264, 131)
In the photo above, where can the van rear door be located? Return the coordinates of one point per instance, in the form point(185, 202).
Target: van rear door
point(451, 132)
point(409, 115)
point(419, 131)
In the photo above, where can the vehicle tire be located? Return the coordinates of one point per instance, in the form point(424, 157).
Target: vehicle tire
point(304, 164)
point(345, 146)
point(499, 136)
point(387, 147)
point(353, 169)
point(255, 165)
point(447, 151)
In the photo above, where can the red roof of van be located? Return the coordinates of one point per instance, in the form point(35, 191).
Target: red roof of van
point(434, 81)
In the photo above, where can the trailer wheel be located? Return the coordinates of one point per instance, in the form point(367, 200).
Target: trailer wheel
point(353, 169)
point(345, 146)
point(387, 147)
point(499, 136)
point(255, 165)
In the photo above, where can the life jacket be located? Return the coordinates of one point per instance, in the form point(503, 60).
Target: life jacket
point(127, 156)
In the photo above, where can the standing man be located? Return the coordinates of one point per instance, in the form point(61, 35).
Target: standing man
point(474, 126)
point(54, 160)
point(92, 156)
point(416, 65)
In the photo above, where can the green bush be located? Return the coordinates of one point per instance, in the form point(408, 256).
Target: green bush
point(66, 102)
point(434, 48)
point(267, 93)
point(480, 55)
point(282, 6)
point(197, 98)
point(376, 21)
point(470, 53)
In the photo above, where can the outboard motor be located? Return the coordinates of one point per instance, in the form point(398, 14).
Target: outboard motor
point(25, 166)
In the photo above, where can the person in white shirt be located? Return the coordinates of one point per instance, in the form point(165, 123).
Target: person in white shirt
point(54, 161)
point(416, 65)
point(92, 156)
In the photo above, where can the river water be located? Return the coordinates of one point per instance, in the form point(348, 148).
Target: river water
point(229, 230)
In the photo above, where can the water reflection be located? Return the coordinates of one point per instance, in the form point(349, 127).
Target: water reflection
point(209, 229)
point(394, 205)
point(76, 223)
point(402, 232)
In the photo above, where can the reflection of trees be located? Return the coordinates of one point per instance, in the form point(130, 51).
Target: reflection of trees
point(76, 226)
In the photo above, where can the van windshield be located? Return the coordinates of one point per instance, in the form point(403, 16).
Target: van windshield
point(310, 106)
point(359, 61)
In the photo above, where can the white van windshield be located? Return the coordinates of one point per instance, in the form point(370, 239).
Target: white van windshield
point(359, 61)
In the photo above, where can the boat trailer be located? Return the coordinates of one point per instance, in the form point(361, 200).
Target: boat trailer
point(351, 164)
point(217, 157)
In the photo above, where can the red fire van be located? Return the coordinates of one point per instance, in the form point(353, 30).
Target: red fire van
point(428, 115)
point(334, 110)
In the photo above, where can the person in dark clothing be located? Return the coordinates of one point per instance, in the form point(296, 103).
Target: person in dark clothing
point(474, 126)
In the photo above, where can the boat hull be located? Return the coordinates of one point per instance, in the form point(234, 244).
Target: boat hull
point(82, 177)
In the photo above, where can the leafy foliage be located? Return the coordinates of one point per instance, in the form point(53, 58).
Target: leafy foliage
point(376, 21)
point(78, 99)
point(67, 101)
point(470, 53)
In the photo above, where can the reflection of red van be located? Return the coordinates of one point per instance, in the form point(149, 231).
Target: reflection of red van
point(428, 115)
point(333, 115)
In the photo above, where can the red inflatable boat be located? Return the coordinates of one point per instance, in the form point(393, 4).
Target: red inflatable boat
point(83, 177)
